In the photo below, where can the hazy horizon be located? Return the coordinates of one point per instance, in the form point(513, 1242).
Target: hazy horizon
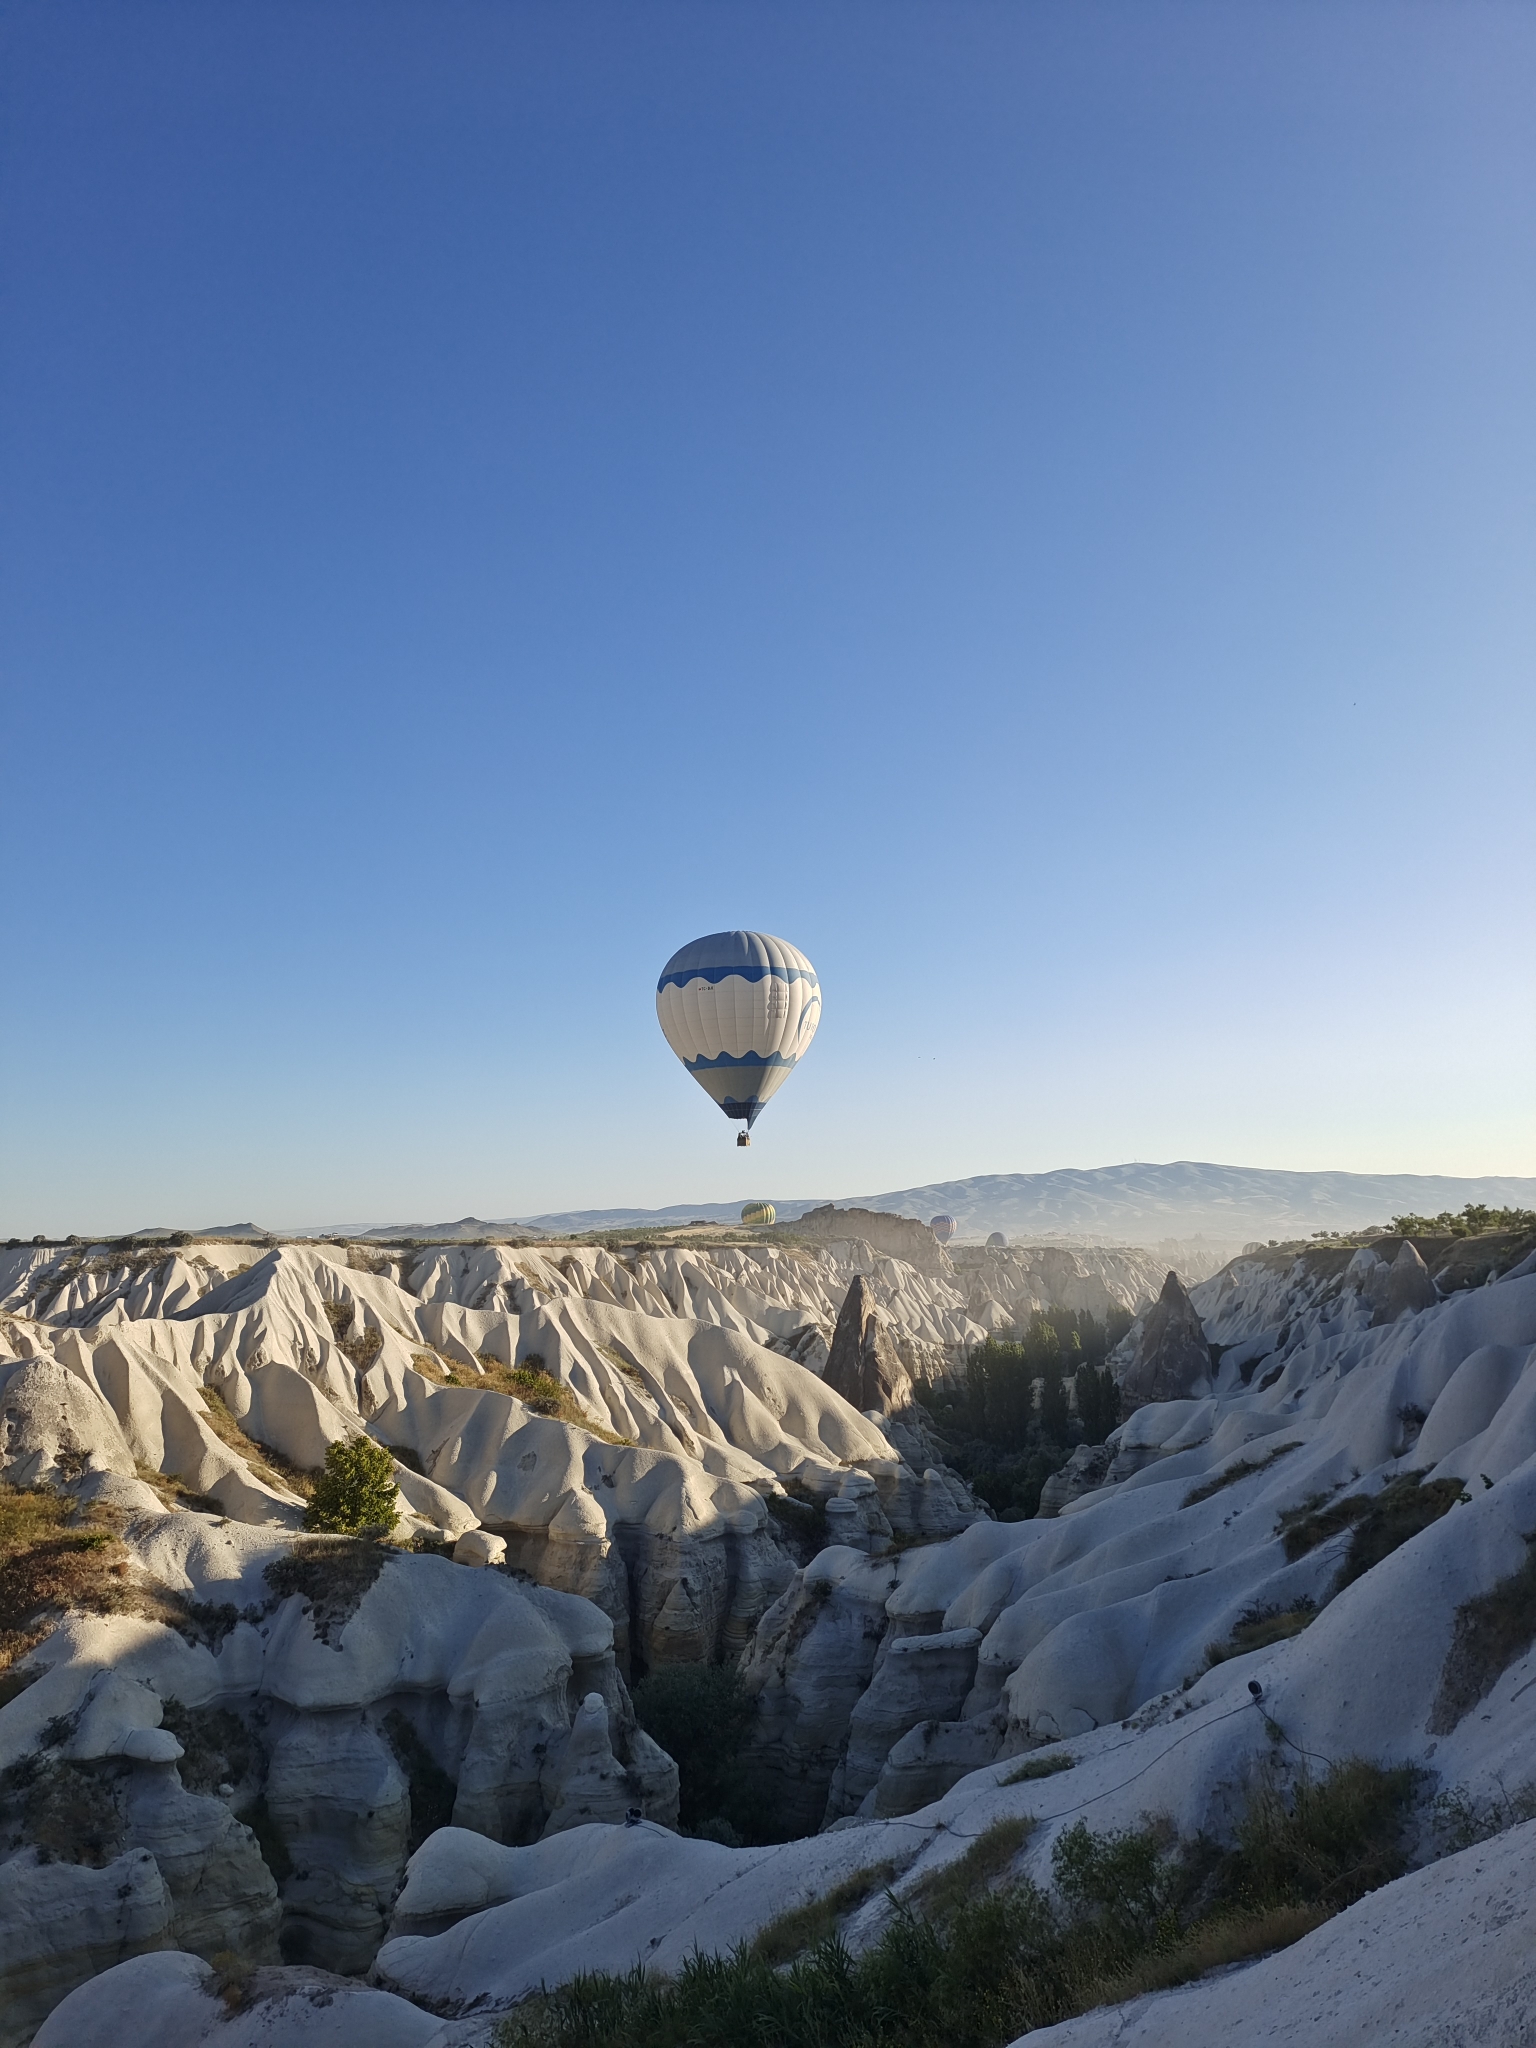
point(1030, 505)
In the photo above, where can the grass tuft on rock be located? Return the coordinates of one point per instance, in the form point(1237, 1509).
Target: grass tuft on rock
point(1490, 1632)
point(1382, 1522)
point(1034, 1767)
point(1259, 1627)
point(330, 1574)
point(1231, 1474)
point(805, 1927)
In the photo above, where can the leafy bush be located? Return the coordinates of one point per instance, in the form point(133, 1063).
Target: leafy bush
point(356, 1490)
point(1331, 1843)
point(972, 1967)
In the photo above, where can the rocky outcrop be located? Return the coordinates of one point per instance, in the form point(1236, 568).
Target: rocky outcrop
point(1084, 1472)
point(63, 1922)
point(1402, 1288)
point(902, 1237)
point(266, 1768)
point(863, 1366)
point(173, 2001)
point(1165, 1357)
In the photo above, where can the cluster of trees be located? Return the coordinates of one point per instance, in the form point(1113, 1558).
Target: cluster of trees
point(1473, 1221)
point(1016, 1392)
point(1026, 1401)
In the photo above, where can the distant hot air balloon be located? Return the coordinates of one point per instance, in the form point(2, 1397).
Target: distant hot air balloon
point(759, 1212)
point(943, 1228)
point(997, 1242)
point(738, 1009)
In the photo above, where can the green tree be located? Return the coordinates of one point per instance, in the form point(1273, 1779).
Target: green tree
point(1098, 1402)
point(356, 1491)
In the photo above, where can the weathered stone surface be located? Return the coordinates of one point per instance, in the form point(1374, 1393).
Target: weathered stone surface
point(60, 1923)
point(863, 1366)
point(916, 1678)
point(171, 2001)
point(1401, 1289)
point(903, 1237)
point(930, 1758)
point(1084, 1472)
point(1165, 1356)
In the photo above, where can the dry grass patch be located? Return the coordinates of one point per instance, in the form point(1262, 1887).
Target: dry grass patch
point(360, 1346)
point(1211, 1945)
point(1233, 1473)
point(803, 1927)
point(49, 1568)
point(265, 1464)
point(330, 1574)
point(1037, 1767)
point(1259, 1627)
point(942, 1892)
point(1382, 1522)
point(1491, 1631)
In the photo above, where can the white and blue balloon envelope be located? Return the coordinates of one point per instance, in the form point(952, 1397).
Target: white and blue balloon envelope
point(739, 1010)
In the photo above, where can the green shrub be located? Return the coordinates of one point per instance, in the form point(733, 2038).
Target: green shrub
point(1333, 1841)
point(972, 1966)
point(356, 1490)
point(699, 1713)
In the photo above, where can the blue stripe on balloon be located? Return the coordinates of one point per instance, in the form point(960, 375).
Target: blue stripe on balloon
point(715, 975)
point(741, 1059)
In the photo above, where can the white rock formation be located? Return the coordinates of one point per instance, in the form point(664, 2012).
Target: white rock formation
point(1086, 1617)
point(362, 1684)
point(172, 2001)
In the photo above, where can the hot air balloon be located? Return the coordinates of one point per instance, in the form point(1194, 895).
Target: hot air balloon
point(738, 1009)
point(997, 1242)
point(759, 1212)
point(943, 1228)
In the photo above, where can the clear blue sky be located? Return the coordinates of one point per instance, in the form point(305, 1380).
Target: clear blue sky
point(1032, 503)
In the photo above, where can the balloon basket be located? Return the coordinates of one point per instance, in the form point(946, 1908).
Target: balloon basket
point(743, 1138)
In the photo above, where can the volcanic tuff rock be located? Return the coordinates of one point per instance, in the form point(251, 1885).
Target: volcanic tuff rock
point(862, 1365)
point(1165, 1356)
point(337, 1697)
point(902, 1237)
point(1086, 1617)
point(894, 1692)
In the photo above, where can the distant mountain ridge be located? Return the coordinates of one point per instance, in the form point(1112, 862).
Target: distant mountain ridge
point(1136, 1203)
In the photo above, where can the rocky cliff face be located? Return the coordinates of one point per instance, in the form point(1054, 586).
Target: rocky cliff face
point(901, 1237)
point(1165, 1356)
